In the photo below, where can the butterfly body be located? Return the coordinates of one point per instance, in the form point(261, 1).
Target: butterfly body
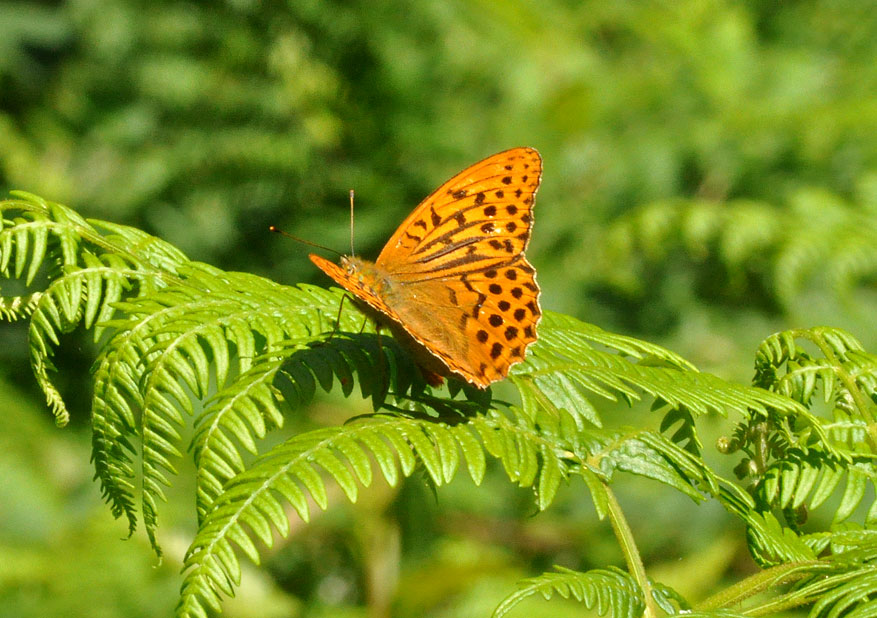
point(453, 283)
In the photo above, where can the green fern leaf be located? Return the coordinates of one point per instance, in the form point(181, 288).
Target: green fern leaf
point(803, 460)
point(293, 468)
point(607, 591)
point(565, 368)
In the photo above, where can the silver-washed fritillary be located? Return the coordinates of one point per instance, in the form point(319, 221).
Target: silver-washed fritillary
point(453, 283)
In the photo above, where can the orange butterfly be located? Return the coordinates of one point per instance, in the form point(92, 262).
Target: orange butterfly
point(453, 283)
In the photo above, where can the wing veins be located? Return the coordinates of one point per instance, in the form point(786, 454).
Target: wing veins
point(416, 278)
point(450, 249)
point(448, 236)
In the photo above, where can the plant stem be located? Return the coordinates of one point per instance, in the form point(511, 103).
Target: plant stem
point(765, 581)
point(631, 554)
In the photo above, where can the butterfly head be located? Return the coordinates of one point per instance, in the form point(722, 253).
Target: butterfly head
point(363, 272)
point(353, 266)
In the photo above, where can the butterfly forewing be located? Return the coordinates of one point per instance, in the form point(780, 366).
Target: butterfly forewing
point(478, 219)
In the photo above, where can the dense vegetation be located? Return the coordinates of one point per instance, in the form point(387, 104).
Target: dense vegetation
point(710, 179)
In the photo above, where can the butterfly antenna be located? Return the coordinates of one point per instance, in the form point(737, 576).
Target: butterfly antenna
point(351, 224)
point(277, 230)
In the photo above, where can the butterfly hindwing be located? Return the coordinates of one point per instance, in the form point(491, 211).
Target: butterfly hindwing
point(478, 325)
point(502, 319)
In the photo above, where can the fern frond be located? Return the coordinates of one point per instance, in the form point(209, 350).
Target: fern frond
point(816, 235)
point(653, 456)
point(771, 543)
point(14, 308)
point(565, 368)
point(607, 591)
point(88, 272)
point(833, 586)
point(802, 461)
point(291, 471)
point(177, 333)
point(852, 595)
point(244, 411)
point(176, 346)
point(533, 454)
point(90, 267)
point(842, 584)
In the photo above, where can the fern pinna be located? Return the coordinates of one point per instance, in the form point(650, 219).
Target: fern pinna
point(232, 354)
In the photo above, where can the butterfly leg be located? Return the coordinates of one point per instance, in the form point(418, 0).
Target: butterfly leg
point(338, 318)
point(382, 360)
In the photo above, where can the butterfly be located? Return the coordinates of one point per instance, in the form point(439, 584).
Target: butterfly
point(453, 284)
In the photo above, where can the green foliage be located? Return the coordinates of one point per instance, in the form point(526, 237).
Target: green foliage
point(710, 178)
point(608, 591)
point(791, 468)
point(815, 241)
point(180, 340)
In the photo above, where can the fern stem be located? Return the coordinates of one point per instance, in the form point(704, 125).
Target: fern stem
point(769, 580)
point(631, 554)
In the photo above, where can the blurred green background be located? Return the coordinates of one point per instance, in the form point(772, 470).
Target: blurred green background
point(710, 178)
